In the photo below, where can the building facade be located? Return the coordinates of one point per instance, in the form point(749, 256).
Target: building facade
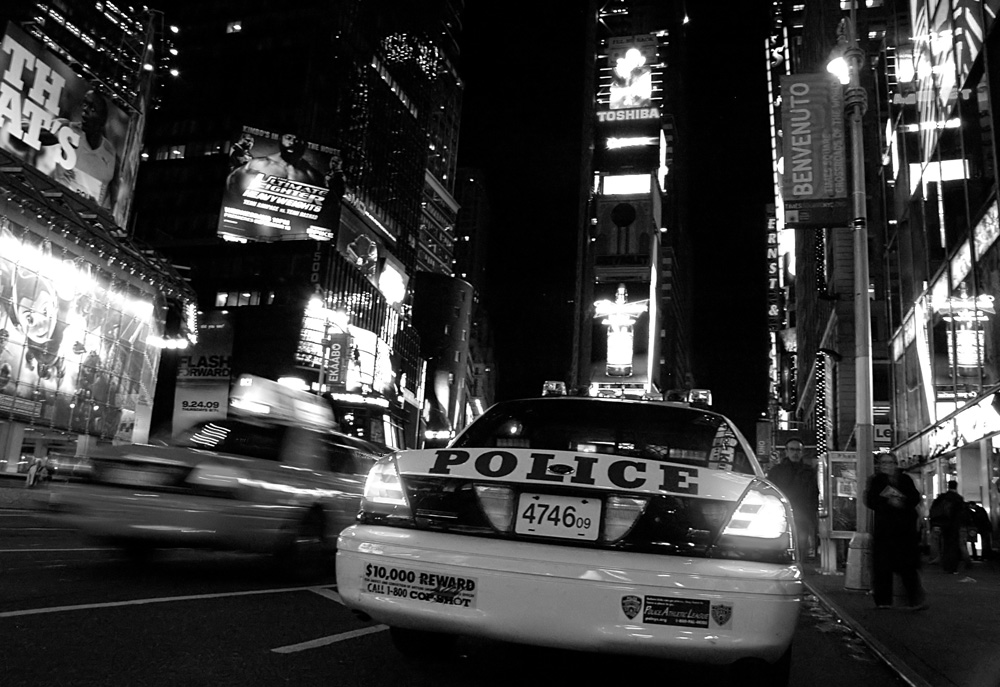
point(85, 311)
point(930, 176)
point(292, 168)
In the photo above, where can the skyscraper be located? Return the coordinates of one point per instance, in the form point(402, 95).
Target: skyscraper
point(301, 139)
point(633, 295)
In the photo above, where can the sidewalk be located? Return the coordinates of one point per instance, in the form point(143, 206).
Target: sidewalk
point(15, 496)
point(954, 643)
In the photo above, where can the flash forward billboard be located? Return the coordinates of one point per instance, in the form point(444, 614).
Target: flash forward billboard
point(277, 187)
point(814, 178)
point(73, 353)
point(61, 124)
point(204, 374)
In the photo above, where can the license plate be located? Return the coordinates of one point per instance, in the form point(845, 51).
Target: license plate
point(558, 516)
point(133, 478)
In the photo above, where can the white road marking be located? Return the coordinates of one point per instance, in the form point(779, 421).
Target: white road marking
point(332, 639)
point(96, 548)
point(37, 529)
point(141, 602)
point(328, 593)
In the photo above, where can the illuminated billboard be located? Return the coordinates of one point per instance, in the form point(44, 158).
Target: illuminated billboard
point(620, 334)
point(631, 59)
point(204, 374)
point(62, 125)
point(363, 248)
point(277, 188)
point(73, 353)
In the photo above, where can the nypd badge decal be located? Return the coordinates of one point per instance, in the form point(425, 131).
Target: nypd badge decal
point(722, 614)
point(631, 606)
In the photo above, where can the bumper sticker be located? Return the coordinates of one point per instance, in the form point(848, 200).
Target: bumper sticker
point(666, 610)
point(402, 583)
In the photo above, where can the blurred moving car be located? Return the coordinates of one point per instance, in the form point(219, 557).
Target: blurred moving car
point(619, 526)
point(270, 477)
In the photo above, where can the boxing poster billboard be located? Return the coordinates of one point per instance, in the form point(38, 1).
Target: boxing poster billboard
point(61, 124)
point(73, 353)
point(277, 187)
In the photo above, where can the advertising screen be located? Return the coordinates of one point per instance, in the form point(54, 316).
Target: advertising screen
point(631, 59)
point(61, 124)
point(277, 188)
point(204, 374)
point(620, 344)
point(73, 353)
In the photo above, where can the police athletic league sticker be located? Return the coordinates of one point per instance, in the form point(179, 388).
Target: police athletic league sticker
point(418, 585)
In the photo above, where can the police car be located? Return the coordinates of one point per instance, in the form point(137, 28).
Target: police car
point(608, 525)
point(271, 476)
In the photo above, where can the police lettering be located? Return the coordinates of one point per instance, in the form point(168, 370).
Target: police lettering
point(622, 473)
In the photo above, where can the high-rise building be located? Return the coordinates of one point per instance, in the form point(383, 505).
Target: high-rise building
point(287, 169)
point(84, 310)
point(633, 295)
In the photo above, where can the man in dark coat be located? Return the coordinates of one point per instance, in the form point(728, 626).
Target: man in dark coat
point(797, 481)
point(894, 498)
point(948, 512)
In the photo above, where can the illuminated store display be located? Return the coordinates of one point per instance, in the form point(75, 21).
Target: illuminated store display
point(73, 338)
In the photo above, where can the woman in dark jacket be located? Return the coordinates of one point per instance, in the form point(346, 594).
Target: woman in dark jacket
point(894, 498)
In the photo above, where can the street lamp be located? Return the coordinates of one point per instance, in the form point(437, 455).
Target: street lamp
point(855, 103)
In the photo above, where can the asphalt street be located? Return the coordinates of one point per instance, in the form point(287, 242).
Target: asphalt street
point(72, 613)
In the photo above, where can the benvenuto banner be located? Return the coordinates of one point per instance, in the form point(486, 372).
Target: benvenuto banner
point(814, 178)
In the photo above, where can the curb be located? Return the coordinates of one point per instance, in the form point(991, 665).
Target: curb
point(894, 662)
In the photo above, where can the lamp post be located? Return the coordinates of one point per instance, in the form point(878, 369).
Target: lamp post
point(855, 103)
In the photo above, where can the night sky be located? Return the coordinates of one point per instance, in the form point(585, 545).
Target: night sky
point(521, 124)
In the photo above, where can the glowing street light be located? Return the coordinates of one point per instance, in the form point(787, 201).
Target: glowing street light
point(858, 574)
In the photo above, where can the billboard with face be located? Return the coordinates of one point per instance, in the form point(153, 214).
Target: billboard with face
point(278, 188)
point(61, 124)
point(73, 353)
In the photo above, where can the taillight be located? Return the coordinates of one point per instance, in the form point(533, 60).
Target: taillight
point(384, 491)
point(620, 515)
point(760, 527)
point(498, 505)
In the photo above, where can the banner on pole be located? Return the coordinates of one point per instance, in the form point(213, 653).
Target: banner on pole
point(814, 178)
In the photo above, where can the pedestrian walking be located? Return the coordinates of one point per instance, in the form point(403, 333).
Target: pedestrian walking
point(948, 513)
point(797, 481)
point(893, 498)
point(982, 527)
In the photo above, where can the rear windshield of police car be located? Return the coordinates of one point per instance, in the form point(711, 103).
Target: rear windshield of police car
point(646, 430)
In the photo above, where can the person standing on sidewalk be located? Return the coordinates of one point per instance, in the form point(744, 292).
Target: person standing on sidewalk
point(797, 480)
point(894, 498)
point(948, 510)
